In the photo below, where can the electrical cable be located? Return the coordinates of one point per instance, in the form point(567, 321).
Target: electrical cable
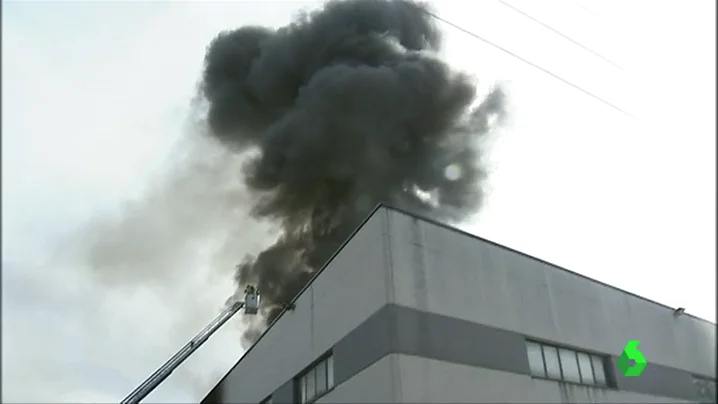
point(557, 32)
point(534, 65)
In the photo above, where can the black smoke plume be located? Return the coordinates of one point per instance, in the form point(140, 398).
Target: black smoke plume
point(348, 106)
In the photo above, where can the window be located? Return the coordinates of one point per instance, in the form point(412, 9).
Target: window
point(585, 367)
point(706, 389)
point(550, 360)
point(316, 380)
point(569, 365)
point(565, 364)
point(599, 370)
point(536, 359)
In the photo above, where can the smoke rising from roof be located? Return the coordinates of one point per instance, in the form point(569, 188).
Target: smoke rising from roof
point(344, 108)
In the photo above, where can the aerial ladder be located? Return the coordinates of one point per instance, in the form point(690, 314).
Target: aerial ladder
point(250, 305)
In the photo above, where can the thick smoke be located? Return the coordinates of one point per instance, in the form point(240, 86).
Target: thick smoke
point(348, 106)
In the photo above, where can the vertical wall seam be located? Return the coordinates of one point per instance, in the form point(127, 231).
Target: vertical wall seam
point(394, 371)
point(311, 319)
point(388, 257)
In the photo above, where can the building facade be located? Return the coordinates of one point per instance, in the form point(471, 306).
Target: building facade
point(412, 311)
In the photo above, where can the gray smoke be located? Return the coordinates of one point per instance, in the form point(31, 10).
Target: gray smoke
point(348, 106)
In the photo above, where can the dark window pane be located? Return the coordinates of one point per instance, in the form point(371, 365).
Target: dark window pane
point(322, 377)
point(311, 385)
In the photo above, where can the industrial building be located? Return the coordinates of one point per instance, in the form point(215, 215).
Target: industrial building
point(413, 311)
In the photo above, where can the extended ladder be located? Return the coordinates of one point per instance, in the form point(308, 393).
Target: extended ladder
point(250, 305)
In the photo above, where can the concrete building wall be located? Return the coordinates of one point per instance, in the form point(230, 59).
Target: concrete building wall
point(443, 271)
point(352, 288)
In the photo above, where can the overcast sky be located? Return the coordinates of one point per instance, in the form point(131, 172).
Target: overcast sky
point(96, 97)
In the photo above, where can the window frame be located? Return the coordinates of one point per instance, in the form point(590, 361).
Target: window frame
point(592, 358)
point(300, 381)
point(573, 354)
point(545, 364)
point(540, 357)
point(590, 366)
point(601, 360)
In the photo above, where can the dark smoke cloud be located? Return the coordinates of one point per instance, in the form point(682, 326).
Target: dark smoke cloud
point(348, 106)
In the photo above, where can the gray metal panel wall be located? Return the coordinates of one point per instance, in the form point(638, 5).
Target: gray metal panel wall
point(425, 380)
point(495, 294)
point(451, 273)
point(325, 312)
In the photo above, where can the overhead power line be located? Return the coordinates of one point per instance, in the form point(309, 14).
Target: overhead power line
point(559, 33)
point(534, 65)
